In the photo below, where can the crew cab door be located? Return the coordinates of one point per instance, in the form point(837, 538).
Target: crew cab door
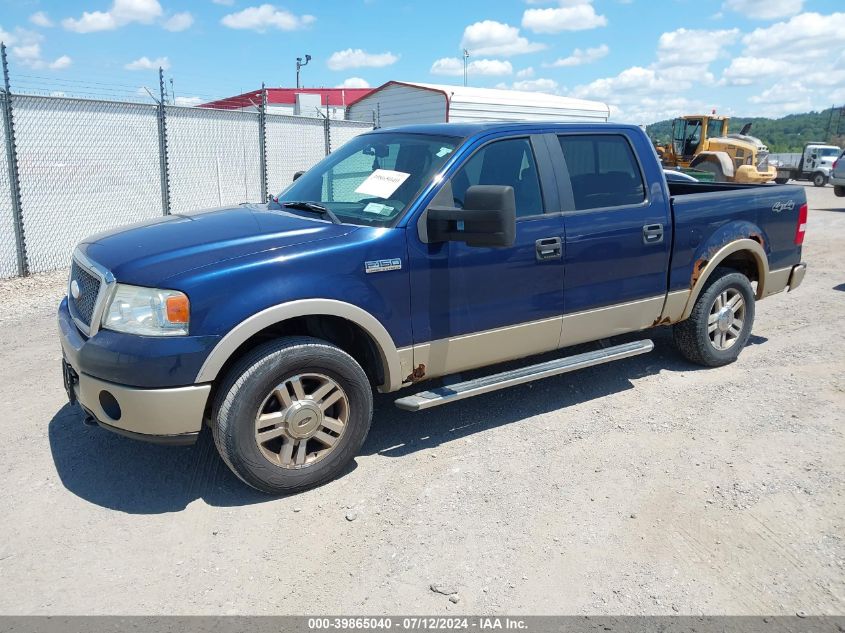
point(473, 306)
point(618, 234)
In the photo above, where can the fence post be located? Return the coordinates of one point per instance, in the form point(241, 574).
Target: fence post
point(162, 147)
point(14, 175)
point(327, 133)
point(262, 142)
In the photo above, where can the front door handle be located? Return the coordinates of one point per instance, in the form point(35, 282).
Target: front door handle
point(653, 234)
point(549, 248)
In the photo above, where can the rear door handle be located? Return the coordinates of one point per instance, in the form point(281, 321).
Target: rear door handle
point(549, 248)
point(653, 234)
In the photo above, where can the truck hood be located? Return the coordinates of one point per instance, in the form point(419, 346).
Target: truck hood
point(149, 252)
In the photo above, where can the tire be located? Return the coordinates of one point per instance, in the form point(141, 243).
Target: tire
point(819, 179)
point(713, 168)
point(839, 191)
point(264, 381)
point(691, 336)
point(781, 181)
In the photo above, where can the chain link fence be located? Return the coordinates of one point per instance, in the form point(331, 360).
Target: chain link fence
point(87, 166)
point(8, 249)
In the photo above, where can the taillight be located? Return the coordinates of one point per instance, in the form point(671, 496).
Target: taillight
point(802, 224)
point(835, 163)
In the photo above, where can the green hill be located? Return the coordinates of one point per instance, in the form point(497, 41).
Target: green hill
point(788, 134)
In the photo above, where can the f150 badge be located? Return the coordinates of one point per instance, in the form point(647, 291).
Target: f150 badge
point(780, 205)
point(383, 265)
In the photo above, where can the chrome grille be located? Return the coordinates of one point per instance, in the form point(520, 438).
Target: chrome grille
point(89, 289)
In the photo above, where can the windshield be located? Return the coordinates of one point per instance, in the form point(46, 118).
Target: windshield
point(374, 177)
point(829, 151)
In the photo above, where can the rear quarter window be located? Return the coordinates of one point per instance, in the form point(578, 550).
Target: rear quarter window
point(603, 171)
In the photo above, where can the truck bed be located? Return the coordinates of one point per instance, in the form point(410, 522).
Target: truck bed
point(709, 215)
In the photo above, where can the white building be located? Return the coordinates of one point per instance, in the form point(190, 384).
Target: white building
point(402, 103)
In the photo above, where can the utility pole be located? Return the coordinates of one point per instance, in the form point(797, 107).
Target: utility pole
point(466, 57)
point(299, 65)
point(172, 92)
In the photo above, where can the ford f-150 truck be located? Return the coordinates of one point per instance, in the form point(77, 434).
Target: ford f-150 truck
point(406, 255)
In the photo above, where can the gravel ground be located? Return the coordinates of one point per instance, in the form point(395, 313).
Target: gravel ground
point(648, 486)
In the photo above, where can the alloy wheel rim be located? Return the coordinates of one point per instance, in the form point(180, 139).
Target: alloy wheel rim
point(302, 420)
point(726, 319)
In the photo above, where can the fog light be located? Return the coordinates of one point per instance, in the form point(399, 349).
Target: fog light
point(109, 405)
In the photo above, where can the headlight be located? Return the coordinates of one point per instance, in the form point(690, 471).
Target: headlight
point(147, 311)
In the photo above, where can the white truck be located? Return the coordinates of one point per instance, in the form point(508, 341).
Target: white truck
point(814, 163)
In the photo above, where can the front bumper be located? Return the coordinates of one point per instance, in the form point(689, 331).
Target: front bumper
point(169, 415)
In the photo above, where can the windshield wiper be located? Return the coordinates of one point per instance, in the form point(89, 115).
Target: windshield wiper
point(313, 206)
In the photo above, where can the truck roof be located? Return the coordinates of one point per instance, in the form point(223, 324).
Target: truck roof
point(465, 130)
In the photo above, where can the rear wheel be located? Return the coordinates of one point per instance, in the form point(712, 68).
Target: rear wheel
point(720, 322)
point(292, 414)
point(839, 191)
point(713, 168)
point(781, 181)
point(819, 179)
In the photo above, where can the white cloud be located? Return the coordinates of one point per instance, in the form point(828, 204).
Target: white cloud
point(768, 10)
point(357, 58)
point(25, 47)
point(525, 73)
point(145, 63)
point(187, 101)
point(60, 63)
point(40, 18)
point(454, 67)
point(803, 38)
point(354, 82)
point(568, 17)
point(744, 71)
point(536, 85)
point(496, 38)
point(267, 17)
point(121, 13)
point(580, 57)
point(693, 47)
point(179, 21)
point(225, 3)
point(27, 53)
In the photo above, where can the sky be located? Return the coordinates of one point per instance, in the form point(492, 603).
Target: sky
point(648, 59)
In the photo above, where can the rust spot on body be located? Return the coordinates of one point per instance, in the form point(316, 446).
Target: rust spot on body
point(697, 269)
point(663, 321)
point(758, 238)
point(416, 375)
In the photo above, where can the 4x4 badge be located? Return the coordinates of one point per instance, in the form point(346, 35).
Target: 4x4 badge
point(779, 206)
point(383, 265)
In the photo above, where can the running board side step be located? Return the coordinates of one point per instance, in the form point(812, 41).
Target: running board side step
point(494, 382)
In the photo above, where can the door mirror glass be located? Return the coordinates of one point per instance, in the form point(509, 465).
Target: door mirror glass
point(487, 219)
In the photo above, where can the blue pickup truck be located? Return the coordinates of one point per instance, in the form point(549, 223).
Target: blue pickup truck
point(406, 255)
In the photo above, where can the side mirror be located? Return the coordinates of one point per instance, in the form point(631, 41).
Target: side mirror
point(487, 219)
point(297, 175)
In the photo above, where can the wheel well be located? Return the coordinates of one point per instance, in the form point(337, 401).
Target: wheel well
point(348, 336)
point(743, 262)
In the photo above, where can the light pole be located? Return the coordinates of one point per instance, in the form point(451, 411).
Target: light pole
point(300, 64)
point(466, 57)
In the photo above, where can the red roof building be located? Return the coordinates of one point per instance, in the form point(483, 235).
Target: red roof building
point(302, 101)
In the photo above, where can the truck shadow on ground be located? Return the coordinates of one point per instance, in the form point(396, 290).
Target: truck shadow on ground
point(138, 478)
point(397, 433)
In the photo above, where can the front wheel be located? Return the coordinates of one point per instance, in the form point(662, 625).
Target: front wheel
point(292, 414)
point(720, 322)
point(839, 191)
point(819, 179)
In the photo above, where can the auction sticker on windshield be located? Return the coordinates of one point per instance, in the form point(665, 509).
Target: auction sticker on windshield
point(382, 183)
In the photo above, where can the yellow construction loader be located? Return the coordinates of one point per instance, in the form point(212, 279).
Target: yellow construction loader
point(702, 142)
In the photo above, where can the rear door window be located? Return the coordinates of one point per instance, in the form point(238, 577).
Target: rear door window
point(603, 171)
